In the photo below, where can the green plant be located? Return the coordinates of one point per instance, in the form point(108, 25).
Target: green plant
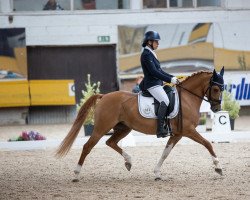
point(230, 104)
point(203, 119)
point(91, 89)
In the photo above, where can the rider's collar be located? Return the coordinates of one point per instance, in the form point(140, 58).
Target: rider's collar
point(151, 51)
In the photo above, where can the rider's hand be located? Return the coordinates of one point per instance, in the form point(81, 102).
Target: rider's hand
point(175, 80)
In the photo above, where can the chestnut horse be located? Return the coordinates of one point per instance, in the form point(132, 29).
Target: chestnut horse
point(119, 110)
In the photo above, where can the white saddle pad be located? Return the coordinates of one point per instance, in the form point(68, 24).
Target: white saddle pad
point(146, 106)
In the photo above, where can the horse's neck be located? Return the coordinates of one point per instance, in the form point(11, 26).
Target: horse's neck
point(198, 83)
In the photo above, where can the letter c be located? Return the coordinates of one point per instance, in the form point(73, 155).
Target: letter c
point(222, 116)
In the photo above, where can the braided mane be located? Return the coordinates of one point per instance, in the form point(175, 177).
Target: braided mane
point(195, 74)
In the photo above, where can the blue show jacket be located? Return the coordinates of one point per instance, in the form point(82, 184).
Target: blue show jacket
point(153, 74)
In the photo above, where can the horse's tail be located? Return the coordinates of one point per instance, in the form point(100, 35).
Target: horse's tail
point(81, 117)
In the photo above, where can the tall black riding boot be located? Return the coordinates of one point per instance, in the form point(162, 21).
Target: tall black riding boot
point(161, 131)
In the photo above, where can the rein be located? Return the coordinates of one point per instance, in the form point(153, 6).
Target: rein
point(209, 100)
point(194, 93)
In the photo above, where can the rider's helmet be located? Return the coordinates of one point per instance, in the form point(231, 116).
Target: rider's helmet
point(150, 35)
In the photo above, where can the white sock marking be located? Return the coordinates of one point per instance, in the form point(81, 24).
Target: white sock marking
point(164, 155)
point(126, 157)
point(216, 163)
point(78, 169)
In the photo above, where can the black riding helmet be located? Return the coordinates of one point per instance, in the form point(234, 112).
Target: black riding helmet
point(150, 35)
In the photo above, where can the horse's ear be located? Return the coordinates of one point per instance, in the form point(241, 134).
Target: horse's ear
point(214, 73)
point(222, 71)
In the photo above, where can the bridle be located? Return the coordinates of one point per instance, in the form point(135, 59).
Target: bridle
point(209, 99)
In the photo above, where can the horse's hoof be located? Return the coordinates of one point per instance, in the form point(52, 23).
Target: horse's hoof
point(157, 178)
point(219, 171)
point(75, 180)
point(128, 165)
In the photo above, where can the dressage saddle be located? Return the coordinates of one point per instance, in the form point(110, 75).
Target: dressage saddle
point(171, 96)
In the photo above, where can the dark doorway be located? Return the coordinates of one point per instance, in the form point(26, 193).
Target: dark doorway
point(75, 62)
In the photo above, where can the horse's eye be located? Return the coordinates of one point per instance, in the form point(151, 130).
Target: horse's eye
point(216, 90)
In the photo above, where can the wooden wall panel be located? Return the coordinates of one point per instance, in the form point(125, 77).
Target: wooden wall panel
point(71, 62)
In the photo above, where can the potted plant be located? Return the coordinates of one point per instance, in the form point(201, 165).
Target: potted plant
point(91, 89)
point(232, 106)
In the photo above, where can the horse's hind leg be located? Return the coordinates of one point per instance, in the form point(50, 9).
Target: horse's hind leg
point(86, 150)
point(198, 138)
point(170, 145)
point(120, 131)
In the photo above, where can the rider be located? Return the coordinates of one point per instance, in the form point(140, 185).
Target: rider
point(154, 77)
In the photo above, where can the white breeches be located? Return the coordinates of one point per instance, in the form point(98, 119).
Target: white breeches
point(159, 94)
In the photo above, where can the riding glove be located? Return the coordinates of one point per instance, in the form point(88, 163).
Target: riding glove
point(175, 80)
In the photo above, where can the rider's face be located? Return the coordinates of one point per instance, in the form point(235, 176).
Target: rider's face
point(155, 44)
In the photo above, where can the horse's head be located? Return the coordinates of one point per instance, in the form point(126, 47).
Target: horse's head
point(215, 89)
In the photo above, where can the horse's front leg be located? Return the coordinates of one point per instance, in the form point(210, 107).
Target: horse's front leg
point(198, 138)
point(170, 145)
point(218, 167)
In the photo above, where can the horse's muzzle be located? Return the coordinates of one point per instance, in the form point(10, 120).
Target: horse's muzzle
point(216, 109)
